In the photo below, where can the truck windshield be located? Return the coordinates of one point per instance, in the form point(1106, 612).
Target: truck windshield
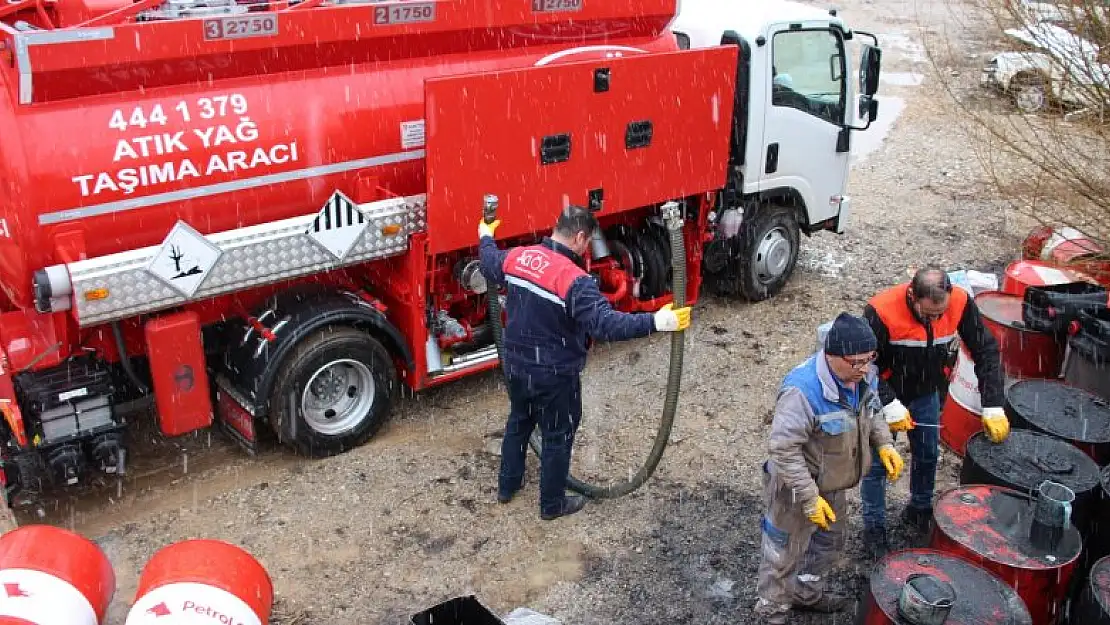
point(808, 68)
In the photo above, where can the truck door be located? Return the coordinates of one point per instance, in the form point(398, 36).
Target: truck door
point(804, 109)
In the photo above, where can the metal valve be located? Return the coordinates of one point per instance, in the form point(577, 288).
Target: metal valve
point(672, 215)
point(489, 209)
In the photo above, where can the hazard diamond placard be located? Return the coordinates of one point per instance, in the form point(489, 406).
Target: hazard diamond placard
point(338, 225)
point(185, 259)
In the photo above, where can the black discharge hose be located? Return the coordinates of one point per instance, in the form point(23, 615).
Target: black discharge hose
point(672, 214)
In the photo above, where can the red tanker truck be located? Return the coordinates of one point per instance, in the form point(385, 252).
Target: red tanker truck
point(263, 215)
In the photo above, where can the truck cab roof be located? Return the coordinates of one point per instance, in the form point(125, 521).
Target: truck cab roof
point(704, 20)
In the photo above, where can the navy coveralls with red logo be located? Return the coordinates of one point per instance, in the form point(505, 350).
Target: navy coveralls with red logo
point(554, 308)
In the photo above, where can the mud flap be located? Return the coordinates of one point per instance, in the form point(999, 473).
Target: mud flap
point(235, 417)
point(624, 132)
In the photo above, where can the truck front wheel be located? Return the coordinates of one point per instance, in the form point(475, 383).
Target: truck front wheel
point(769, 251)
point(333, 392)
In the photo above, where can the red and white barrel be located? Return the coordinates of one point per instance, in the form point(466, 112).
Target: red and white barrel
point(51, 576)
point(962, 415)
point(1067, 244)
point(1023, 274)
point(202, 581)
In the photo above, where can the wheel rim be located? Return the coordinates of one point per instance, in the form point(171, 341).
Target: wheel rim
point(338, 396)
point(1030, 98)
point(772, 256)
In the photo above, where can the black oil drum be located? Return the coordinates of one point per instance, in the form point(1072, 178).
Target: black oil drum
point(981, 598)
point(1066, 412)
point(1088, 358)
point(1092, 605)
point(1027, 458)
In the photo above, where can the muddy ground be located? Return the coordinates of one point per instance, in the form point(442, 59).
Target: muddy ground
point(411, 519)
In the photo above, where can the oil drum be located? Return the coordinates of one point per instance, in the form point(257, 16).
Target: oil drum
point(202, 581)
point(1025, 353)
point(1087, 365)
point(1063, 411)
point(50, 575)
point(1023, 274)
point(980, 597)
point(1098, 536)
point(1025, 460)
point(1092, 605)
point(996, 528)
point(961, 416)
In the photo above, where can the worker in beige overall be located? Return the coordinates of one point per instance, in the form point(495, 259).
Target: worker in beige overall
point(827, 419)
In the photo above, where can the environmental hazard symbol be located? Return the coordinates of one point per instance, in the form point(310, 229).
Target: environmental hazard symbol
point(338, 225)
point(185, 259)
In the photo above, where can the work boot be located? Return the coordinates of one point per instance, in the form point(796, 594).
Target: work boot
point(570, 505)
point(827, 604)
point(874, 541)
point(919, 520)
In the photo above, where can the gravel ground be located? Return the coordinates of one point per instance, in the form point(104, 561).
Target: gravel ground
point(410, 519)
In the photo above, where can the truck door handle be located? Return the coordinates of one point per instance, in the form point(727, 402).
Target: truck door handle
point(772, 159)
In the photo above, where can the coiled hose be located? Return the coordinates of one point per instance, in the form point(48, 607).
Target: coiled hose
point(672, 215)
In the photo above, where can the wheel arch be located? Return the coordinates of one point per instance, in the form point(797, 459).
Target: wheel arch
point(787, 197)
point(286, 319)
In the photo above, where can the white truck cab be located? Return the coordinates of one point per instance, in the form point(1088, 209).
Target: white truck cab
point(797, 107)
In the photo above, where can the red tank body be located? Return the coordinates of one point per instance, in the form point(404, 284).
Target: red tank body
point(297, 187)
point(75, 162)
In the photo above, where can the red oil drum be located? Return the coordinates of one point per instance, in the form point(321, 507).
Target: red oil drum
point(1025, 353)
point(1066, 412)
point(1026, 459)
point(1092, 603)
point(51, 576)
point(1023, 274)
point(991, 526)
point(202, 581)
point(962, 414)
point(981, 597)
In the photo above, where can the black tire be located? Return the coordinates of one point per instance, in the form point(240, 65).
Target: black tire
point(1030, 93)
point(764, 237)
point(311, 434)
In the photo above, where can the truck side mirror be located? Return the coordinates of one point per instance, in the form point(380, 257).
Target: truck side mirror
point(870, 62)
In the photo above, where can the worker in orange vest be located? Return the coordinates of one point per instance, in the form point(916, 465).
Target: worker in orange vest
point(915, 324)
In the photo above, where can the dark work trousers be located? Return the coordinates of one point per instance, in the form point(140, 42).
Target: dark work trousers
point(555, 403)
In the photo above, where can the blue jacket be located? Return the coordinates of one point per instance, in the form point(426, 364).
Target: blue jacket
point(554, 308)
point(822, 433)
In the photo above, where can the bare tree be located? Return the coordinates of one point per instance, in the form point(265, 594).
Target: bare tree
point(1037, 104)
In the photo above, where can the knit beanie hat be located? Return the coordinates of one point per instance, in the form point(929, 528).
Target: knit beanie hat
point(850, 335)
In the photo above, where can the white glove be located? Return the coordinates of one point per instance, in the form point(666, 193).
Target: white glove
point(897, 417)
point(669, 320)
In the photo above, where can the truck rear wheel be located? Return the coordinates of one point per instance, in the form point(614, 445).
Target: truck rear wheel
point(769, 251)
point(333, 392)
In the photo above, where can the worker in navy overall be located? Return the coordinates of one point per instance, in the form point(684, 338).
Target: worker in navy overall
point(917, 324)
point(827, 419)
point(554, 308)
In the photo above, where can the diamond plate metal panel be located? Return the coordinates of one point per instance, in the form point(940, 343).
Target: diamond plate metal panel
point(252, 256)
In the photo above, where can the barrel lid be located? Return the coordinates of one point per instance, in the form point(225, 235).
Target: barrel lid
point(981, 597)
point(994, 523)
point(1027, 458)
point(1100, 583)
point(1001, 308)
point(1065, 411)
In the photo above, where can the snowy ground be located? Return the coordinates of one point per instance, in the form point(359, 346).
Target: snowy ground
point(410, 519)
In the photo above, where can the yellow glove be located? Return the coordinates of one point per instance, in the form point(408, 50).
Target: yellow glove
point(668, 320)
point(892, 461)
point(995, 424)
point(486, 230)
point(897, 417)
point(821, 513)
